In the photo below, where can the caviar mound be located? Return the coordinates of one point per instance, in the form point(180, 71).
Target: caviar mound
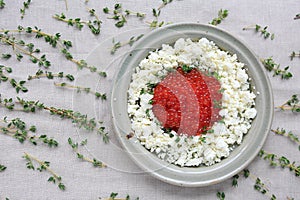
point(187, 101)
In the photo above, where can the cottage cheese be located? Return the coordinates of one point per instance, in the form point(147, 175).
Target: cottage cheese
point(238, 103)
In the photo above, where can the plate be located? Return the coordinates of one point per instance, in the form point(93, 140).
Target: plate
point(241, 156)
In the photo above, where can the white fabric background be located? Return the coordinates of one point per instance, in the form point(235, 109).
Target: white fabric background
point(82, 180)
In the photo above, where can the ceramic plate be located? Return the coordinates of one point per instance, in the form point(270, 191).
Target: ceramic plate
point(241, 156)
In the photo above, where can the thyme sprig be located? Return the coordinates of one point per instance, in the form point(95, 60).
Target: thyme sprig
point(262, 30)
point(293, 104)
point(120, 15)
point(294, 54)
point(113, 196)
point(297, 16)
point(155, 23)
point(17, 128)
point(52, 39)
point(21, 48)
point(258, 184)
point(2, 4)
point(282, 161)
point(4, 77)
point(44, 166)
point(94, 25)
point(25, 6)
point(118, 45)
point(50, 75)
point(222, 14)
point(288, 134)
point(55, 40)
point(82, 63)
point(79, 89)
point(32, 106)
point(94, 161)
point(272, 66)
point(81, 120)
point(2, 168)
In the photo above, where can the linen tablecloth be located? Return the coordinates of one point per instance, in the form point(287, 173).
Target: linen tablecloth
point(122, 176)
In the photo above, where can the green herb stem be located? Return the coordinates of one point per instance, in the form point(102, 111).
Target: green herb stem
point(262, 30)
point(120, 15)
point(294, 54)
point(117, 45)
point(82, 63)
point(81, 120)
point(44, 165)
point(94, 26)
point(49, 75)
point(18, 47)
point(222, 14)
point(282, 161)
point(4, 77)
point(164, 3)
point(272, 66)
point(293, 104)
point(16, 128)
point(288, 134)
point(113, 196)
point(155, 23)
point(80, 89)
point(52, 39)
point(258, 184)
point(94, 161)
point(25, 6)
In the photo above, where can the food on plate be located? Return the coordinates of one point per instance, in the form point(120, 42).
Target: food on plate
point(191, 103)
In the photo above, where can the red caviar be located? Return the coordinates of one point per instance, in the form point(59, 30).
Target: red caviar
point(187, 102)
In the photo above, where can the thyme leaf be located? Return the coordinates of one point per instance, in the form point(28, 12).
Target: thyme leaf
point(2, 4)
point(221, 195)
point(2, 168)
point(263, 30)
